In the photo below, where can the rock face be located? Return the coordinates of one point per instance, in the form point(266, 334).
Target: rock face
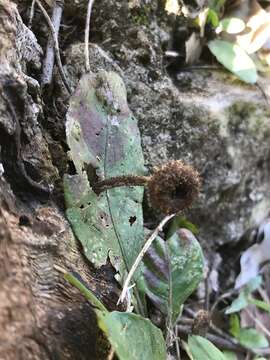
point(207, 118)
point(221, 127)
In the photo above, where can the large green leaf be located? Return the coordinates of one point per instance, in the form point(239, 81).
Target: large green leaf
point(203, 349)
point(251, 339)
point(132, 336)
point(104, 142)
point(172, 270)
point(234, 59)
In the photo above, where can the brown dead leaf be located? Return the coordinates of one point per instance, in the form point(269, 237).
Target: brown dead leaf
point(193, 48)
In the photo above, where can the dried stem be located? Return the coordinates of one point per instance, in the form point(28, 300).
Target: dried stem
point(48, 63)
point(56, 46)
point(111, 354)
point(217, 340)
point(172, 187)
point(258, 322)
point(129, 180)
point(86, 35)
point(32, 10)
point(224, 296)
point(141, 255)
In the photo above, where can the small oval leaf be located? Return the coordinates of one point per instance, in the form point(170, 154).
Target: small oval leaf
point(203, 349)
point(231, 25)
point(172, 270)
point(234, 59)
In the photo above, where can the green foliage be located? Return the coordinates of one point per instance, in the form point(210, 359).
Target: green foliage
point(238, 304)
point(202, 349)
point(109, 145)
point(260, 304)
point(234, 59)
point(212, 18)
point(180, 221)
point(250, 338)
point(172, 270)
point(229, 355)
point(216, 5)
point(234, 325)
point(244, 298)
point(89, 295)
point(104, 142)
point(231, 25)
point(132, 336)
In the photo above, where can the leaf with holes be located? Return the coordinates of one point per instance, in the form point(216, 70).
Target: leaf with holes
point(172, 270)
point(132, 336)
point(104, 142)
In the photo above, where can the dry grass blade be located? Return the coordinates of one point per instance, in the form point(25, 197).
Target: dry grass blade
point(141, 255)
point(48, 63)
point(87, 31)
point(56, 46)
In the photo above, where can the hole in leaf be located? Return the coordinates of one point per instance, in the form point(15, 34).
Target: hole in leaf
point(132, 220)
point(71, 168)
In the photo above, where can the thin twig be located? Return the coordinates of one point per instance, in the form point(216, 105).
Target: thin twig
point(223, 297)
point(218, 341)
point(178, 352)
point(258, 322)
point(56, 46)
point(111, 354)
point(59, 269)
point(264, 295)
point(141, 255)
point(86, 35)
point(48, 63)
point(32, 11)
point(223, 334)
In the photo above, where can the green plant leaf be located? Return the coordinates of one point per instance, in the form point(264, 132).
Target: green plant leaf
point(243, 298)
point(234, 59)
point(212, 17)
point(234, 325)
point(203, 349)
point(90, 296)
point(216, 5)
point(251, 339)
point(104, 142)
point(253, 284)
point(177, 222)
point(231, 25)
point(132, 336)
point(260, 304)
point(229, 355)
point(172, 270)
point(238, 304)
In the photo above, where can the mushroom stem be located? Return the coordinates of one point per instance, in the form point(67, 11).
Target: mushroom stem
point(125, 180)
